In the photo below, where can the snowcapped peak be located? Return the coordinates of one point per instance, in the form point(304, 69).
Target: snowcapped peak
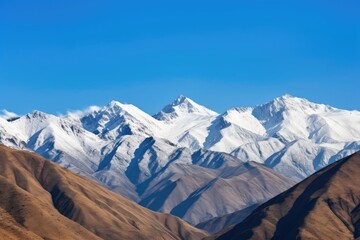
point(288, 102)
point(113, 106)
point(287, 98)
point(37, 114)
point(114, 103)
point(118, 108)
point(117, 119)
point(181, 99)
point(183, 106)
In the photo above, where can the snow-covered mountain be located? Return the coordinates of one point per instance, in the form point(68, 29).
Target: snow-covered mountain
point(178, 159)
point(186, 122)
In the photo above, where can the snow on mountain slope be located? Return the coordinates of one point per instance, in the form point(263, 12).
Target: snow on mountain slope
point(187, 122)
point(54, 137)
point(225, 136)
point(258, 151)
point(161, 176)
point(183, 107)
point(150, 170)
point(290, 118)
point(214, 184)
point(10, 136)
point(347, 150)
point(172, 162)
point(243, 117)
point(314, 157)
point(335, 126)
point(130, 160)
point(117, 119)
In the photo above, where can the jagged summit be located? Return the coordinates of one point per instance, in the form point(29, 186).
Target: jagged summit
point(291, 102)
point(181, 99)
point(37, 113)
point(117, 119)
point(114, 103)
point(287, 98)
point(289, 109)
point(181, 107)
point(115, 107)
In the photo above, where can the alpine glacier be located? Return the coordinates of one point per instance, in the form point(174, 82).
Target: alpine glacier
point(189, 160)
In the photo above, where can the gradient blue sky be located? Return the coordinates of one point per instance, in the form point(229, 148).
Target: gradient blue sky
point(61, 55)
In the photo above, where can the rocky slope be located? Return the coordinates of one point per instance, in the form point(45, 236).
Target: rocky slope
point(217, 224)
point(41, 200)
point(326, 205)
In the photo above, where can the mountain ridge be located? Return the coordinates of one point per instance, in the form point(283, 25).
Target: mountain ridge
point(290, 135)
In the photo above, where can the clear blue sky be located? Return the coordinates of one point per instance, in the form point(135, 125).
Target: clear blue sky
point(60, 55)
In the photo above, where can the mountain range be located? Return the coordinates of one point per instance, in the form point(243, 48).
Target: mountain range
point(178, 159)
